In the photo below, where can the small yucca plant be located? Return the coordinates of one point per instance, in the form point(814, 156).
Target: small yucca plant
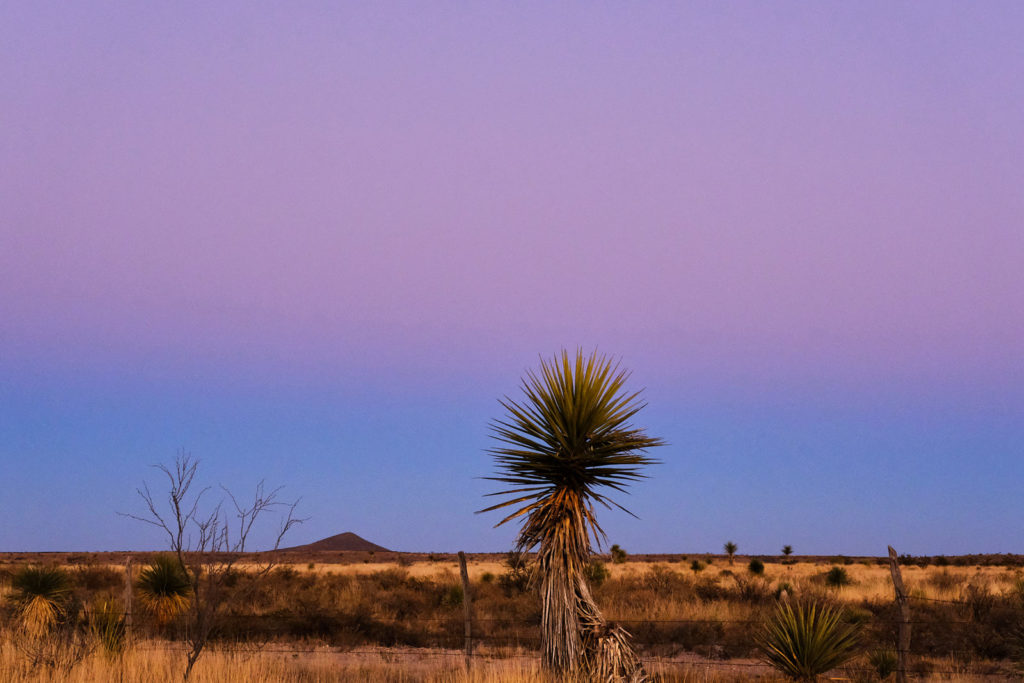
point(41, 595)
point(164, 588)
point(805, 641)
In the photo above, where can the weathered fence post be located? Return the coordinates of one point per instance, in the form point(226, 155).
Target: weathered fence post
point(467, 608)
point(128, 599)
point(903, 645)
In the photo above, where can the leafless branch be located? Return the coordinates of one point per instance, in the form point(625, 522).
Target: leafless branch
point(208, 543)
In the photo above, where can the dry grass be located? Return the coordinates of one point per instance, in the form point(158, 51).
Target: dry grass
point(871, 582)
point(155, 661)
point(318, 621)
point(158, 661)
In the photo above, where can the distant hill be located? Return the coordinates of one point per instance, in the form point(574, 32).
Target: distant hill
point(345, 541)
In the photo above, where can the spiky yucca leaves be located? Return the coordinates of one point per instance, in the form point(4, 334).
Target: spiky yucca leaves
point(41, 595)
point(561, 447)
point(164, 588)
point(808, 640)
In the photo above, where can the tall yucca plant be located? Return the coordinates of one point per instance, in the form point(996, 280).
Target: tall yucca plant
point(41, 595)
point(562, 446)
point(808, 640)
point(164, 588)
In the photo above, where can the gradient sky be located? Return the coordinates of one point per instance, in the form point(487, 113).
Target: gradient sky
point(316, 242)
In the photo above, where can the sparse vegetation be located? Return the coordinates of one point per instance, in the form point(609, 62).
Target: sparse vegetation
point(352, 606)
point(756, 567)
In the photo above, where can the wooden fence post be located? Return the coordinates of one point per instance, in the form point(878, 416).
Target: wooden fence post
point(903, 647)
point(467, 608)
point(128, 599)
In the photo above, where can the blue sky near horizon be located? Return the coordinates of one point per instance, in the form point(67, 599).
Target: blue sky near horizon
point(316, 245)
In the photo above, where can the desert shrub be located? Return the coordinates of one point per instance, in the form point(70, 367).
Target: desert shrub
point(453, 596)
point(1016, 591)
point(805, 641)
point(596, 573)
point(487, 577)
point(696, 566)
point(664, 580)
point(516, 578)
point(97, 578)
point(285, 573)
point(692, 636)
point(884, 661)
point(837, 577)
point(390, 578)
point(708, 590)
point(943, 581)
point(979, 600)
point(618, 555)
point(783, 587)
point(754, 591)
point(756, 567)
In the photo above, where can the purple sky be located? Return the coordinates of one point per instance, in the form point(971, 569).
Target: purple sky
point(316, 244)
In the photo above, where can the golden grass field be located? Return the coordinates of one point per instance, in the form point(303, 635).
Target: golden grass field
point(648, 597)
point(871, 581)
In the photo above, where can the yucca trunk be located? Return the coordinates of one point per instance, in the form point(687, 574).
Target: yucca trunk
point(562, 643)
point(576, 639)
